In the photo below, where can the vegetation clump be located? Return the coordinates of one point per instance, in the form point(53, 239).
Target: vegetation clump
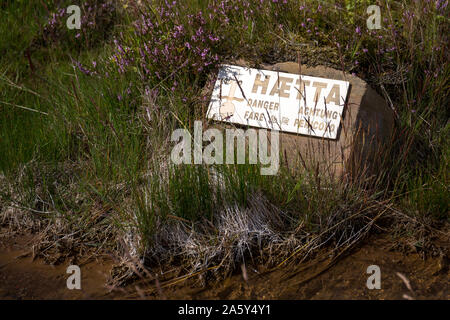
point(87, 116)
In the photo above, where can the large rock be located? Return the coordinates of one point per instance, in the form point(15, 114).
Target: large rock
point(366, 127)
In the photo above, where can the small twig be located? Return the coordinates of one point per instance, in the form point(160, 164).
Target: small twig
point(405, 281)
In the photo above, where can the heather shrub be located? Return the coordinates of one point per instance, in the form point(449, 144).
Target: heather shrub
point(167, 42)
point(98, 18)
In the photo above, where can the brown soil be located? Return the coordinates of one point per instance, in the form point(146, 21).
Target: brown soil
point(23, 278)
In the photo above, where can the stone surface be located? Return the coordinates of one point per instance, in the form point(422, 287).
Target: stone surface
point(366, 126)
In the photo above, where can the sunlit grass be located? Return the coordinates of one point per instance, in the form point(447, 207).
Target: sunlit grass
point(69, 116)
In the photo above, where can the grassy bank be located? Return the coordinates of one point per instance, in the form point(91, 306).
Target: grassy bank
point(86, 118)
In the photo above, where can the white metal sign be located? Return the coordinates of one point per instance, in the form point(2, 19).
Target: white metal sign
point(279, 101)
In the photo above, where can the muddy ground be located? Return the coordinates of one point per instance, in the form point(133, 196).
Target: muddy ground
point(22, 277)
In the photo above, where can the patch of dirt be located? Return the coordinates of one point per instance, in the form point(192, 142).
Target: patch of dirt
point(22, 278)
point(428, 279)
